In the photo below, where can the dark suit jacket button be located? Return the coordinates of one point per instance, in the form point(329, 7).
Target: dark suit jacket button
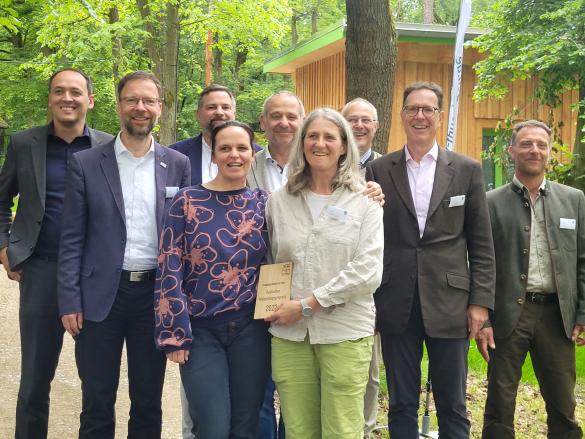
point(526, 204)
point(525, 251)
point(412, 277)
point(31, 249)
point(520, 301)
point(522, 277)
point(527, 228)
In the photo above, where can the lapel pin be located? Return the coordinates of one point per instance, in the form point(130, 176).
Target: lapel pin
point(163, 164)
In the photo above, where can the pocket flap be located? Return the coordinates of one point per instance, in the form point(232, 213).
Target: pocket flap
point(459, 281)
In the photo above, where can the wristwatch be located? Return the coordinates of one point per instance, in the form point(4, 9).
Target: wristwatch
point(307, 310)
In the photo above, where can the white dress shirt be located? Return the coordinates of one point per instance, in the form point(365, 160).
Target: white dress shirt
point(421, 177)
point(139, 190)
point(208, 168)
point(275, 174)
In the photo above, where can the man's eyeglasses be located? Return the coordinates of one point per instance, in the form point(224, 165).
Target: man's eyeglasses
point(147, 102)
point(412, 111)
point(365, 121)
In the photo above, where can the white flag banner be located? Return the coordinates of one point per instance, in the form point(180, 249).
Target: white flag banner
point(464, 19)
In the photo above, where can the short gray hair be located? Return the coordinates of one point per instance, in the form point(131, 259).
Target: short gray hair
point(285, 93)
point(345, 108)
point(299, 172)
point(528, 124)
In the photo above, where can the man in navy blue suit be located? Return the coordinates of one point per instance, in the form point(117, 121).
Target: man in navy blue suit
point(216, 105)
point(115, 202)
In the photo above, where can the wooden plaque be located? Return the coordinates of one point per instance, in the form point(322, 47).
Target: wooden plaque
point(274, 288)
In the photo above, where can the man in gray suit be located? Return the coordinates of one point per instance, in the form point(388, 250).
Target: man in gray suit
point(35, 169)
point(538, 229)
point(438, 280)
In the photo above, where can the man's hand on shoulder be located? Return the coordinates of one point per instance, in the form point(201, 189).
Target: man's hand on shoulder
point(374, 191)
point(579, 335)
point(14, 275)
point(73, 323)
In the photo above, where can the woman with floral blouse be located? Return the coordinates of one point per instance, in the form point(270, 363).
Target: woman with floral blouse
point(212, 245)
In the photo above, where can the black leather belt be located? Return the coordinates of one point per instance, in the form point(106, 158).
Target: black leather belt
point(138, 276)
point(541, 298)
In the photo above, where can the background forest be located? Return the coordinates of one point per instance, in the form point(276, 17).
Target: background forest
point(109, 38)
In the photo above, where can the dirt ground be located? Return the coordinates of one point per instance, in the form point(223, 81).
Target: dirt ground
point(66, 390)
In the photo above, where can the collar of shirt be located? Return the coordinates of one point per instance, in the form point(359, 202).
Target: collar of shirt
point(274, 162)
point(365, 156)
point(519, 184)
point(120, 148)
point(51, 131)
point(433, 153)
point(208, 168)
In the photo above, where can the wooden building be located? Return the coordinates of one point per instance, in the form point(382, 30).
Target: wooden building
point(425, 53)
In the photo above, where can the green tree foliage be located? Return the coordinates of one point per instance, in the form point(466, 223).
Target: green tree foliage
point(108, 38)
point(540, 39)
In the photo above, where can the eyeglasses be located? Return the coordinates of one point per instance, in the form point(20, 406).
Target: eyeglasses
point(363, 120)
point(412, 111)
point(147, 102)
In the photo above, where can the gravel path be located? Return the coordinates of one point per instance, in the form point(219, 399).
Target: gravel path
point(66, 390)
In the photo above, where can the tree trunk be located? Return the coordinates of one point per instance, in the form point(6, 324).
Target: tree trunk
point(314, 16)
point(208, 58)
point(294, 32)
point(578, 172)
point(151, 46)
point(370, 60)
point(241, 57)
point(428, 11)
point(217, 60)
point(114, 17)
point(169, 75)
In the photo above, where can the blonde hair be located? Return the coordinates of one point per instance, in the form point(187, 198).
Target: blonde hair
point(299, 171)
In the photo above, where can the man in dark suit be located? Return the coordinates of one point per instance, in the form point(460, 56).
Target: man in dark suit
point(539, 239)
point(216, 105)
point(115, 203)
point(35, 168)
point(438, 280)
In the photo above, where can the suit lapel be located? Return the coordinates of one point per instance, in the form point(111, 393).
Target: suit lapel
point(443, 175)
point(399, 176)
point(109, 167)
point(38, 148)
point(161, 167)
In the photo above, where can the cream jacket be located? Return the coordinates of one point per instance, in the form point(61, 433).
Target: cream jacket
point(338, 259)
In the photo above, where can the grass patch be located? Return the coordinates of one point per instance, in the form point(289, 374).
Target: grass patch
point(530, 410)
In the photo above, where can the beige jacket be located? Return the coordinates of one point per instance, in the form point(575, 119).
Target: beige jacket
point(338, 259)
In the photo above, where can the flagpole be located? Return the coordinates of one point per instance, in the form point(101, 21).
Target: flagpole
point(462, 24)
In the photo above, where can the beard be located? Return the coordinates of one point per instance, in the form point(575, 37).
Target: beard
point(215, 122)
point(139, 133)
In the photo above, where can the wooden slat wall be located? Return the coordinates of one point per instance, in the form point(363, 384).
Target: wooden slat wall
point(322, 83)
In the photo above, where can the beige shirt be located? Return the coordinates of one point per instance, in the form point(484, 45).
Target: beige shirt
point(338, 258)
point(540, 270)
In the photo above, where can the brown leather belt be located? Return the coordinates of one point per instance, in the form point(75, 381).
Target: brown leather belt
point(541, 298)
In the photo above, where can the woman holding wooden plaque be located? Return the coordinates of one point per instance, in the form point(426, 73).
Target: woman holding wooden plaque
point(333, 234)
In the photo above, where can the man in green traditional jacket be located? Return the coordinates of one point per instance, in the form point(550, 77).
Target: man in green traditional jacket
point(538, 228)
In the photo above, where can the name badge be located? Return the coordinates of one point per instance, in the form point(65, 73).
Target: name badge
point(171, 191)
point(568, 223)
point(337, 213)
point(458, 200)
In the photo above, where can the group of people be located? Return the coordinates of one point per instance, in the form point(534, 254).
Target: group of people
point(121, 240)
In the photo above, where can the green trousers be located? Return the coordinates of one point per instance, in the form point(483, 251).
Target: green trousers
point(322, 387)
